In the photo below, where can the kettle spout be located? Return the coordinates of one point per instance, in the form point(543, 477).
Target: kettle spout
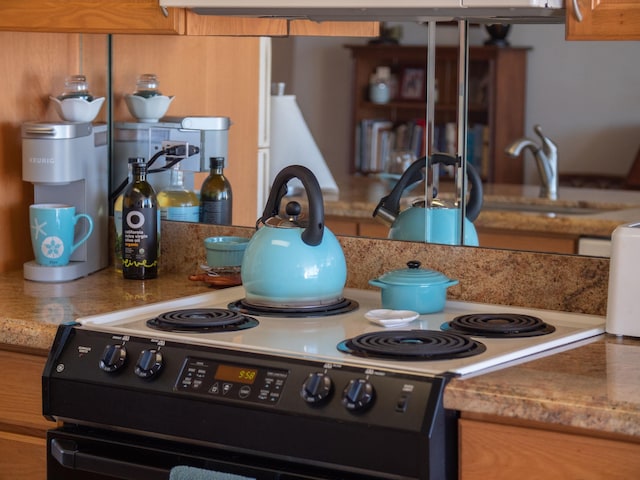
point(383, 214)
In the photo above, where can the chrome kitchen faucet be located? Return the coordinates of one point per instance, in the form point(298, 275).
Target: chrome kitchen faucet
point(546, 156)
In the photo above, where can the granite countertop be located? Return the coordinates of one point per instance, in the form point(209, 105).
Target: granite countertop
point(32, 311)
point(595, 386)
point(600, 210)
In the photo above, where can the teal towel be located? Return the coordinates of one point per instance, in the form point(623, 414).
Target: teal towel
point(192, 473)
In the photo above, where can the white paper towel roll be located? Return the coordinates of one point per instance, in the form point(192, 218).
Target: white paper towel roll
point(293, 144)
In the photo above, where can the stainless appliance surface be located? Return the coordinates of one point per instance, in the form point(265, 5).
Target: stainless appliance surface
point(272, 397)
point(67, 162)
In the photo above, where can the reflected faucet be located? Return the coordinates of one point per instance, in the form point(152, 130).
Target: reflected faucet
point(546, 156)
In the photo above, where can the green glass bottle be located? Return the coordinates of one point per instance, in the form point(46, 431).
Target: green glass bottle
point(215, 195)
point(140, 227)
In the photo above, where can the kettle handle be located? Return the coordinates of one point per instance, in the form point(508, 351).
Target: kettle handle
point(312, 235)
point(390, 204)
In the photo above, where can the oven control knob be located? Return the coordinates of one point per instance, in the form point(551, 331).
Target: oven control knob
point(149, 363)
point(358, 395)
point(113, 358)
point(316, 388)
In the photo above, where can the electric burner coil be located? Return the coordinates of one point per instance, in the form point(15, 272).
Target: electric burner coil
point(343, 305)
point(412, 345)
point(201, 320)
point(499, 325)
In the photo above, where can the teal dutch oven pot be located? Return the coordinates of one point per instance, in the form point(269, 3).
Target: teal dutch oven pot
point(293, 260)
point(414, 288)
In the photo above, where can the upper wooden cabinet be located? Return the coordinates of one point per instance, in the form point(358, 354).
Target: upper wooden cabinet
point(275, 27)
point(603, 20)
point(146, 16)
point(91, 16)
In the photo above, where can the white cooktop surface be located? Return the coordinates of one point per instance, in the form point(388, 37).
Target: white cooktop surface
point(316, 338)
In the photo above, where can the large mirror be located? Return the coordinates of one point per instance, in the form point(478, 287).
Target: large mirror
point(583, 95)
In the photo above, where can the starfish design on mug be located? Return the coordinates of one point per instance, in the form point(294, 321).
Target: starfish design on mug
point(52, 247)
point(38, 228)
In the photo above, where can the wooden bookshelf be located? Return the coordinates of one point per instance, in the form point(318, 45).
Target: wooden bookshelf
point(497, 88)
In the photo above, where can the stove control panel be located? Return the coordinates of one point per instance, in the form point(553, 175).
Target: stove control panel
point(231, 380)
point(195, 375)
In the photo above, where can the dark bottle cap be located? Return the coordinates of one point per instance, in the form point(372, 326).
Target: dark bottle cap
point(216, 162)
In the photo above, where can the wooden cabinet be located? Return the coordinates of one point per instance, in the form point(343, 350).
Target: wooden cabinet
point(528, 241)
point(22, 426)
point(360, 227)
point(497, 87)
point(146, 16)
point(275, 27)
point(91, 16)
point(603, 20)
point(501, 451)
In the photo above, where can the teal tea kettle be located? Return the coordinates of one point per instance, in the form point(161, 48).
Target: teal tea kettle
point(293, 261)
point(443, 219)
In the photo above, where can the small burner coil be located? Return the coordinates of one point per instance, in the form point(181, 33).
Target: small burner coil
point(203, 320)
point(412, 345)
point(499, 325)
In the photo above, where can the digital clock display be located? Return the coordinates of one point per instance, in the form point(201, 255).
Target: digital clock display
point(232, 373)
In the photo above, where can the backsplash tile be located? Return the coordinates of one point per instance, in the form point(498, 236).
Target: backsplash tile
point(536, 280)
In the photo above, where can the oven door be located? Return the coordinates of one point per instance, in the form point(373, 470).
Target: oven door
point(75, 453)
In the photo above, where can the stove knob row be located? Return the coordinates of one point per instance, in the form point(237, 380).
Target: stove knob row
point(317, 388)
point(358, 395)
point(149, 363)
point(113, 358)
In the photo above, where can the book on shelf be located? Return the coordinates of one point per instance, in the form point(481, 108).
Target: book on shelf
point(377, 139)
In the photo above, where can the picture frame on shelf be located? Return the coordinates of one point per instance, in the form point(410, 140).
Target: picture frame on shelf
point(412, 84)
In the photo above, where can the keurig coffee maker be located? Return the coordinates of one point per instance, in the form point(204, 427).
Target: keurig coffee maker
point(67, 162)
point(143, 139)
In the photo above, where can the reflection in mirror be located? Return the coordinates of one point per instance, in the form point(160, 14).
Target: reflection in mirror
point(560, 85)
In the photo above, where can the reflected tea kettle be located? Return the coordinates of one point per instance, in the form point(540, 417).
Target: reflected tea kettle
point(291, 260)
point(443, 219)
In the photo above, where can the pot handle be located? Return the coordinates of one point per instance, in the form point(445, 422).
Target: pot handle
point(389, 206)
point(377, 283)
point(312, 235)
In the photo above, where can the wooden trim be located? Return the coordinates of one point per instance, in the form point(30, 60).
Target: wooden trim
point(336, 29)
point(235, 26)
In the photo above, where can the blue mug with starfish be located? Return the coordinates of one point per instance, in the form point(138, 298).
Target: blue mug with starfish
point(53, 232)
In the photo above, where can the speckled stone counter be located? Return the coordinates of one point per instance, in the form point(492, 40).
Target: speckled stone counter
point(32, 311)
point(594, 387)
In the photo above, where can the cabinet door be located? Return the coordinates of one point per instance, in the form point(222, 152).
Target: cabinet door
point(23, 457)
point(603, 20)
point(505, 452)
point(91, 16)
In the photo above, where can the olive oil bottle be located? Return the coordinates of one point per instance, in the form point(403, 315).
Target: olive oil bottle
point(177, 202)
point(140, 227)
point(215, 195)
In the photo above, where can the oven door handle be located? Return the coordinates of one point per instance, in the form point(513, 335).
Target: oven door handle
point(68, 455)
